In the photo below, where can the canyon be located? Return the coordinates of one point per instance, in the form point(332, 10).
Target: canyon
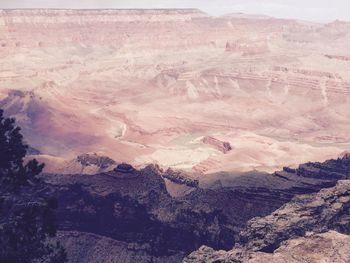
point(311, 228)
point(109, 217)
point(169, 135)
point(151, 86)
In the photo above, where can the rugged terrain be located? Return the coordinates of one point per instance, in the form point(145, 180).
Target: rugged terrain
point(133, 215)
point(146, 86)
point(292, 232)
point(302, 230)
point(223, 101)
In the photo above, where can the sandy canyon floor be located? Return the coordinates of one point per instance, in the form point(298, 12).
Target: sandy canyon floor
point(146, 86)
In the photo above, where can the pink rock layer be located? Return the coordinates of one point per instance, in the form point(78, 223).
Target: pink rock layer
point(145, 86)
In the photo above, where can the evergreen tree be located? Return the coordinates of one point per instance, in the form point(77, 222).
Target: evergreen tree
point(27, 219)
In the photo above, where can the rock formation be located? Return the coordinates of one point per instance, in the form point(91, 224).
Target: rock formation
point(344, 58)
point(327, 247)
point(282, 232)
point(103, 162)
point(281, 93)
point(87, 163)
point(134, 213)
point(124, 168)
point(224, 147)
point(179, 177)
point(92, 248)
point(161, 86)
point(248, 48)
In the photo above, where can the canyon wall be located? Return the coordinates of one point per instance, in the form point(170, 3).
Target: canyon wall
point(144, 86)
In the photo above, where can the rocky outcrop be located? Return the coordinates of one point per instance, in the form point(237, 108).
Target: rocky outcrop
point(26, 106)
point(223, 147)
point(124, 168)
point(328, 247)
point(311, 177)
point(344, 155)
point(92, 248)
point(137, 210)
point(102, 162)
point(326, 210)
point(179, 177)
point(248, 48)
point(344, 58)
point(88, 163)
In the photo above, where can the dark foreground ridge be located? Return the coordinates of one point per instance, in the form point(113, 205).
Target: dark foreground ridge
point(136, 218)
point(307, 220)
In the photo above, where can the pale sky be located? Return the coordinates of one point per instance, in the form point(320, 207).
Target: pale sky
point(313, 10)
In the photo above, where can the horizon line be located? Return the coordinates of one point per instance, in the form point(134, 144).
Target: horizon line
point(169, 9)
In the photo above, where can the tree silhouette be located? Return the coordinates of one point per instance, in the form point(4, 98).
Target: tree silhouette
point(27, 219)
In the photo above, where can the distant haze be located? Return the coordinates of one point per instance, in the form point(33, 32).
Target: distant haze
point(312, 10)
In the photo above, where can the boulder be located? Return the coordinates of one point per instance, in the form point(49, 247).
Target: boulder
point(124, 168)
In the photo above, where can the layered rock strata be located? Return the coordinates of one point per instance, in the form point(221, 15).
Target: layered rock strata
point(137, 210)
point(295, 226)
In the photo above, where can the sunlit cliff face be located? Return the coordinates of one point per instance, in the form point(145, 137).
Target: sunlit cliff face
point(148, 85)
